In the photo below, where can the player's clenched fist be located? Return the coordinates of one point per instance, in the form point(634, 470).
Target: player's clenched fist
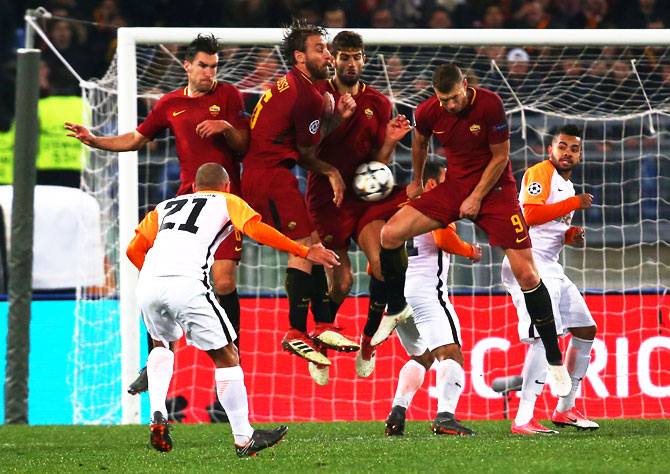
point(80, 132)
point(321, 255)
point(346, 106)
point(586, 199)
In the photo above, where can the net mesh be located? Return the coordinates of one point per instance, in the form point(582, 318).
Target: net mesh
point(619, 96)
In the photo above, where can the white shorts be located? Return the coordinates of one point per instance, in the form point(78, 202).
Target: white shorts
point(568, 305)
point(172, 306)
point(434, 324)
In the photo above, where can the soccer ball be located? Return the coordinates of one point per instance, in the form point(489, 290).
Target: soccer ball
point(373, 181)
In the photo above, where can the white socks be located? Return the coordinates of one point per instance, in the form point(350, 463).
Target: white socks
point(160, 364)
point(410, 380)
point(450, 381)
point(577, 362)
point(534, 377)
point(232, 394)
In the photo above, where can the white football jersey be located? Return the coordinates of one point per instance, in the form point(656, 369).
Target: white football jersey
point(188, 229)
point(543, 185)
point(427, 268)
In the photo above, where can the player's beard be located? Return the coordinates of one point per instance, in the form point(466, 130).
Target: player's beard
point(316, 71)
point(347, 80)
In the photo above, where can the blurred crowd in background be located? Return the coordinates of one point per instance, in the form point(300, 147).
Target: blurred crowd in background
point(89, 47)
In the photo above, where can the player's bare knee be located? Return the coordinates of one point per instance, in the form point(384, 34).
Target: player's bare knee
point(587, 333)
point(527, 278)
point(225, 286)
point(226, 356)
point(426, 359)
point(449, 351)
point(389, 236)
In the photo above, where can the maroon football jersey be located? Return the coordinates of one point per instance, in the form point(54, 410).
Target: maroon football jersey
point(182, 114)
point(466, 136)
point(288, 115)
point(352, 142)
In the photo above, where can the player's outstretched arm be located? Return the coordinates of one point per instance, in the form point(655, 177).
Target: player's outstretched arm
point(269, 236)
point(536, 214)
point(130, 141)
point(448, 240)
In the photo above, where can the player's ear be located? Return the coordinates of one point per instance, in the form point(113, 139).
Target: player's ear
point(299, 57)
point(187, 66)
point(226, 188)
point(549, 148)
point(430, 184)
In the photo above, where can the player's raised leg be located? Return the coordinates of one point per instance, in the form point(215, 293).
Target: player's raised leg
point(405, 224)
point(577, 361)
point(538, 305)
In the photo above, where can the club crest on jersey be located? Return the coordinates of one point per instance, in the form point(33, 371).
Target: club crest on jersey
point(314, 127)
point(475, 129)
point(534, 188)
point(292, 225)
point(214, 110)
point(328, 238)
point(369, 113)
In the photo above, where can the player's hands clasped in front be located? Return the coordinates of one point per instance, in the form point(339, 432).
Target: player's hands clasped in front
point(586, 199)
point(337, 183)
point(209, 128)
point(321, 255)
point(470, 208)
point(476, 258)
point(346, 106)
point(80, 132)
point(398, 127)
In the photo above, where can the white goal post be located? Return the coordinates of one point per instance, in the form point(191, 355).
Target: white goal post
point(130, 38)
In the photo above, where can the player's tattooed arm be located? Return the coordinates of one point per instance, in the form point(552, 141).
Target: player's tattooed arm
point(333, 116)
point(308, 160)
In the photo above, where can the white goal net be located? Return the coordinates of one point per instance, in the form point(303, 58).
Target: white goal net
point(618, 94)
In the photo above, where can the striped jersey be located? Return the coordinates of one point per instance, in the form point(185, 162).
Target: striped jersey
point(543, 185)
point(187, 230)
point(427, 267)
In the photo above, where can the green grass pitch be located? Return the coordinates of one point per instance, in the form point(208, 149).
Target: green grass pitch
point(621, 446)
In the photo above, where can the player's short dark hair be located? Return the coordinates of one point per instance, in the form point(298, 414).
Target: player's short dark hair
point(569, 129)
point(446, 76)
point(295, 38)
point(201, 44)
point(432, 170)
point(347, 40)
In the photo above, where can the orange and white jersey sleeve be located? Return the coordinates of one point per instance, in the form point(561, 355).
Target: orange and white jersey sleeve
point(145, 234)
point(542, 189)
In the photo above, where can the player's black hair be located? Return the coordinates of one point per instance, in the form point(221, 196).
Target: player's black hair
point(295, 38)
point(347, 40)
point(201, 44)
point(446, 76)
point(569, 129)
point(432, 170)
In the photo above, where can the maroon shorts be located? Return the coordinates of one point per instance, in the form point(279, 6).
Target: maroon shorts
point(337, 225)
point(230, 248)
point(274, 194)
point(499, 215)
